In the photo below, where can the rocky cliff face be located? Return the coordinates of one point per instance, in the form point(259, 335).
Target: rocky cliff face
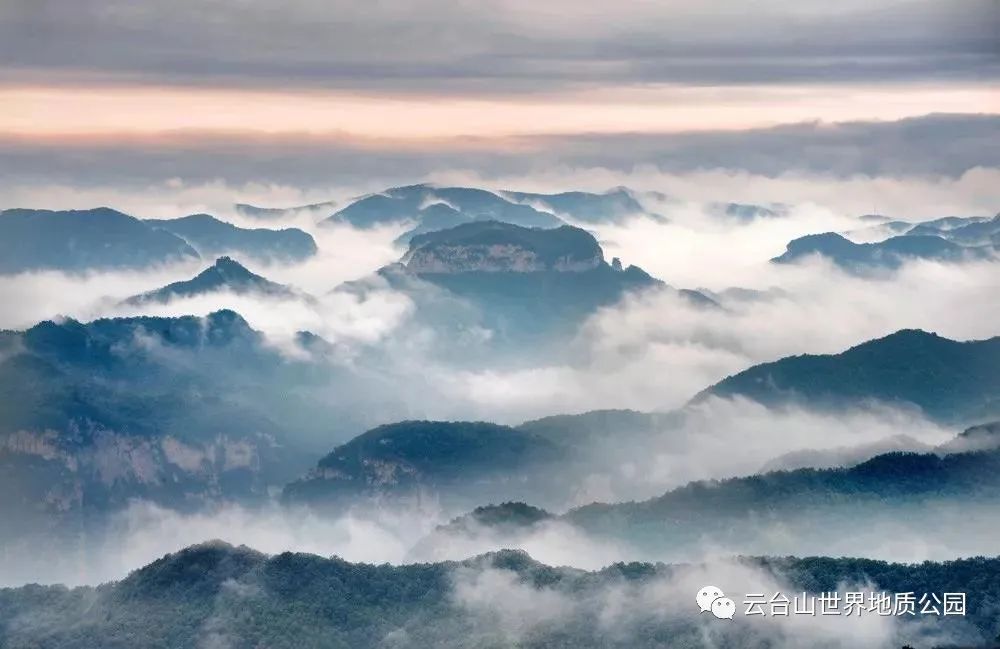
point(493, 247)
point(493, 259)
point(113, 468)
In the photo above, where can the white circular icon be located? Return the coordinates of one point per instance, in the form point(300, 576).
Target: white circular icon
point(706, 596)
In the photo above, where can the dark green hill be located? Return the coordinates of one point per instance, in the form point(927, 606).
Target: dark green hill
point(216, 593)
point(951, 381)
point(465, 460)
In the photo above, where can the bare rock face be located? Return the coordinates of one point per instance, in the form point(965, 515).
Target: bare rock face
point(493, 247)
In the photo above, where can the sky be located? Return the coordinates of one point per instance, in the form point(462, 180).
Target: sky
point(140, 90)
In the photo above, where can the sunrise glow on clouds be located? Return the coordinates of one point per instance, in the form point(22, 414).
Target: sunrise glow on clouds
point(110, 90)
point(115, 110)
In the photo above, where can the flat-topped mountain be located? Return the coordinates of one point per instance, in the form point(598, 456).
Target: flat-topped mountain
point(225, 274)
point(520, 286)
point(212, 237)
point(948, 380)
point(492, 246)
point(80, 240)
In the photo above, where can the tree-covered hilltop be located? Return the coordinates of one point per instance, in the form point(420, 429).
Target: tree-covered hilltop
point(236, 597)
point(892, 491)
point(950, 381)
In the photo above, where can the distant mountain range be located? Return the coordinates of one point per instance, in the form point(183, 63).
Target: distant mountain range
point(80, 240)
point(106, 239)
point(225, 274)
point(212, 237)
point(947, 380)
point(434, 208)
point(889, 254)
point(214, 591)
point(585, 207)
point(277, 213)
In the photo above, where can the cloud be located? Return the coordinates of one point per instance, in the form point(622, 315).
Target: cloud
point(509, 46)
point(517, 610)
point(275, 168)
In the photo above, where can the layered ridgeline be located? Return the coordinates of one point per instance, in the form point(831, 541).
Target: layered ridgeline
point(510, 286)
point(280, 213)
point(431, 208)
point(217, 595)
point(949, 381)
point(106, 239)
point(943, 498)
point(80, 240)
point(546, 461)
point(948, 239)
point(225, 275)
point(963, 230)
point(212, 237)
point(179, 411)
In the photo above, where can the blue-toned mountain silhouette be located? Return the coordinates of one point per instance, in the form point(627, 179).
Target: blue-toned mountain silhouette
point(524, 285)
point(437, 208)
point(225, 274)
point(587, 207)
point(278, 213)
point(889, 254)
point(949, 381)
point(212, 237)
point(81, 240)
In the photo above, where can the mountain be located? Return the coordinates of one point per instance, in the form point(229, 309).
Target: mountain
point(611, 206)
point(949, 381)
point(212, 237)
point(465, 463)
point(492, 246)
point(217, 595)
point(402, 460)
point(435, 208)
point(81, 240)
point(888, 254)
point(180, 411)
point(225, 274)
point(744, 212)
point(278, 213)
point(897, 491)
point(507, 288)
